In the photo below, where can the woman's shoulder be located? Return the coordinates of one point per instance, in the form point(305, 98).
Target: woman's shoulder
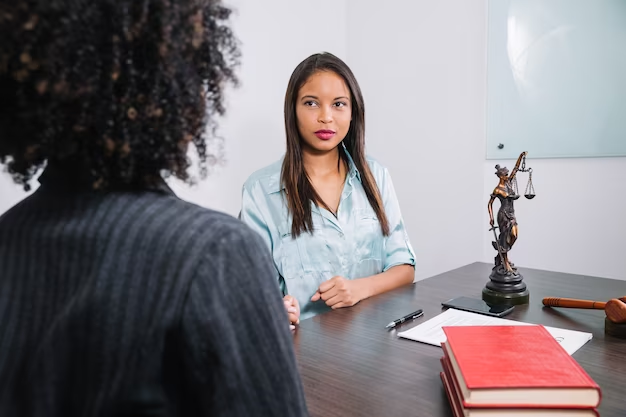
point(379, 170)
point(184, 223)
point(267, 178)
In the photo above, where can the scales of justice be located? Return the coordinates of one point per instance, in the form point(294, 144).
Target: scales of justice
point(506, 286)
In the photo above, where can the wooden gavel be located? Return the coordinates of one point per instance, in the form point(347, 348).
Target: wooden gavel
point(615, 309)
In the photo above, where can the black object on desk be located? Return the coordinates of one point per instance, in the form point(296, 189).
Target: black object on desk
point(474, 305)
point(414, 315)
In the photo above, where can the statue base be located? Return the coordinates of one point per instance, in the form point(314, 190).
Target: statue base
point(614, 329)
point(505, 288)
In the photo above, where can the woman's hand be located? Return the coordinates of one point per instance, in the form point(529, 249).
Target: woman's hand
point(339, 292)
point(293, 310)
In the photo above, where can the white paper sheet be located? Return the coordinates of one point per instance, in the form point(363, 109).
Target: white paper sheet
point(431, 331)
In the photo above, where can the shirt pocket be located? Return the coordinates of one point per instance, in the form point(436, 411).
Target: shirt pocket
point(303, 255)
point(289, 257)
point(366, 218)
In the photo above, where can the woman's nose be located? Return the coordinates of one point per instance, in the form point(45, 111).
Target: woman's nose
point(325, 116)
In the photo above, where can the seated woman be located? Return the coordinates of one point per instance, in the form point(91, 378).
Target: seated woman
point(328, 213)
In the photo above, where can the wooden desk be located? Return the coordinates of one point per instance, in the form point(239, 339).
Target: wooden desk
point(352, 366)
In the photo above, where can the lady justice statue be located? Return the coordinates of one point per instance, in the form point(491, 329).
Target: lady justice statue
point(505, 285)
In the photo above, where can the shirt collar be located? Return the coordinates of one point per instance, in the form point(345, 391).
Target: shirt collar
point(275, 185)
point(352, 169)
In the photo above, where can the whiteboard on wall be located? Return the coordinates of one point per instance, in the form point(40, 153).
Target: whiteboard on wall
point(556, 78)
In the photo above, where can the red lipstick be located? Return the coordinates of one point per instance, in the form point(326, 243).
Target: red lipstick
point(325, 134)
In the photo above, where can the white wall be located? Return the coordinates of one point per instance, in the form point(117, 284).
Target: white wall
point(10, 193)
point(422, 67)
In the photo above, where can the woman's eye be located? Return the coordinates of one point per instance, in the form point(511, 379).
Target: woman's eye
point(310, 103)
point(340, 104)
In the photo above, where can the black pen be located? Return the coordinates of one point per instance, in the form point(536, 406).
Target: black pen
point(414, 315)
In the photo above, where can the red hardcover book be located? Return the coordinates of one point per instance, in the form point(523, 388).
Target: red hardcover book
point(456, 404)
point(457, 410)
point(516, 366)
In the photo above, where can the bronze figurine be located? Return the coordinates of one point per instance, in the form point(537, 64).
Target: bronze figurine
point(506, 192)
point(506, 286)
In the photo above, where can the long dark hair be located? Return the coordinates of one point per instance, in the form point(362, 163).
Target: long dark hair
point(299, 191)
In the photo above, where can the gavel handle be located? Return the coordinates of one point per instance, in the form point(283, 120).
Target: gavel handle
point(573, 303)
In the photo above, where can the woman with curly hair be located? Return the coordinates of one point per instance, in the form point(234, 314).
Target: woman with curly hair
point(116, 297)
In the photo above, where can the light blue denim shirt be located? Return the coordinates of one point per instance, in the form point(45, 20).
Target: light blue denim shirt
point(351, 245)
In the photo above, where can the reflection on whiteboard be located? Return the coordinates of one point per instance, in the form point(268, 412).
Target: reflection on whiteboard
point(556, 82)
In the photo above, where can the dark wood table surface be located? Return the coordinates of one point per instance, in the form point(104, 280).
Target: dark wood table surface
point(352, 366)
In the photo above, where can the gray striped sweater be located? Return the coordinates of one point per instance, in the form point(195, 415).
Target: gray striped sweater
point(136, 303)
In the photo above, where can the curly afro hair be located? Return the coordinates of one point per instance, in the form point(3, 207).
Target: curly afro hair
point(119, 86)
